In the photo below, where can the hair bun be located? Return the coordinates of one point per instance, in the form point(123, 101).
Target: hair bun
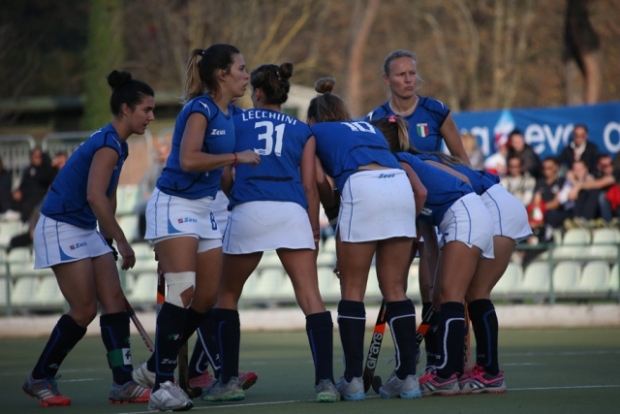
point(285, 71)
point(324, 85)
point(117, 79)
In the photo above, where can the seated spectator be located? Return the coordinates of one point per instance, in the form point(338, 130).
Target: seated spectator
point(547, 195)
point(6, 184)
point(518, 183)
point(518, 146)
point(575, 193)
point(601, 182)
point(496, 163)
point(147, 185)
point(476, 157)
point(579, 149)
point(35, 180)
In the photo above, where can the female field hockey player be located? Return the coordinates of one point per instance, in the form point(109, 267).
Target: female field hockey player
point(274, 206)
point(66, 239)
point(180, 223)
point(377, 215)
point(461, 217)
point(510, 225)
point(430, 123)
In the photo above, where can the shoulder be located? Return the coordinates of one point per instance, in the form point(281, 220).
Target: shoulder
point(379, 112)
point(204, 105)
point(434, 106)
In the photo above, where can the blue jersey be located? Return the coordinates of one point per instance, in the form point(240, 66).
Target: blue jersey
point(219, 138)
point(280, 140)
point(443, 189)
point(424, 123)
point(66, 198)
point(480, 181)
point(343, 147)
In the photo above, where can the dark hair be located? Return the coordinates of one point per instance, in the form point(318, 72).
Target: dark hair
point(201, 74)
point(514, 156)
point(552, 159)
point(273, 81)
point(585, 128)
point(327, 107)
point(515, 131)
point(396, 133)
point(126, 90)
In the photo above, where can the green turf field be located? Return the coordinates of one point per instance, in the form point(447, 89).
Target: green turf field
point(547, 371)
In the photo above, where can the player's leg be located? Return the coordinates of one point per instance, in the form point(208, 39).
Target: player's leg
point(236, 270)
point(392, 270)
point(300, 265)
point(76, 282)
point(114, 323)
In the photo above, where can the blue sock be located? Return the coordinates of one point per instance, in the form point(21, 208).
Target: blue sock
point(451, 335)
point(351, 324)
point(115, 335)
point(65, 335)
point(401, 317)
point(486, 327)
point(320, 330)
point(229, 338)
point(169, 339)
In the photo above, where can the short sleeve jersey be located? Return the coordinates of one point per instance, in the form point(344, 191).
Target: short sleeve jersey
point(219, 138)
point(343, 147)
point(443, 189)
point(480, 181)
point(280, 140)
point(66, 199)
point(424, 123)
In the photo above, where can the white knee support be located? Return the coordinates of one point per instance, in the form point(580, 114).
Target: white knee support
point(178, 283)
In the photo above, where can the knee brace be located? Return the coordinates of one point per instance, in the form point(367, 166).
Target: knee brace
point(178, 283)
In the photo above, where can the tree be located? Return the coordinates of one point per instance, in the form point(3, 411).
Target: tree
point(104, 53)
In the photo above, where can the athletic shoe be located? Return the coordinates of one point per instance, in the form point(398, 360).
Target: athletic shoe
point(464, 385)
point(433, 384)
point(203, 381)
point(231, 391)
point(351, 391)
point(247, 379)
point(46, 391)
point(129, 392)
point(169, 397)
point(143, 377)
point(395, 387)
point(326, 391)
point(482, 381)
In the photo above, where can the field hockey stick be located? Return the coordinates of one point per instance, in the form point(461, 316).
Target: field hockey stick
point(377, 382)
point(145, 337)
point(375, 347)
point(182, 358)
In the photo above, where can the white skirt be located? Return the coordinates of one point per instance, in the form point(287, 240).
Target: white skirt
point(376, 205)
point(219, 208)
point(169, 216)
point(509, 214)
point(56, 242)
point(468, 221)
point(259, 226)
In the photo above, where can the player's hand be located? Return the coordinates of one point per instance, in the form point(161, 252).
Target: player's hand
point(248, 157)
point(128, 255)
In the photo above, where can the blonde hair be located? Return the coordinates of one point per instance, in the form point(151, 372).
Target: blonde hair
point(201, 74)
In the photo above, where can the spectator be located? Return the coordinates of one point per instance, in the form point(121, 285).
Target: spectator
point(599, 183)
point(6, 183)
point(574, 192)
point(547, 194)
point(579, 149)
point(147, 185)
point(496, 163)
point(518, 146)
point(518, 183)
point(35, 180)
point(476, 157)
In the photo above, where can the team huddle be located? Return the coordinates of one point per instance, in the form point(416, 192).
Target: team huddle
point(239, 183)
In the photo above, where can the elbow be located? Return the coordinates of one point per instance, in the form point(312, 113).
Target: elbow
point(185, 165)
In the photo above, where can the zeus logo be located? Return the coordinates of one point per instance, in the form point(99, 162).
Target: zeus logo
point(375, 347)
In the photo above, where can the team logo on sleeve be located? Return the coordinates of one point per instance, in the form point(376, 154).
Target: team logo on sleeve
point(422, 129)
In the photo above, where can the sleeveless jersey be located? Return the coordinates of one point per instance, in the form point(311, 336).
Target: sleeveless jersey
point(280, 140)
point(443, 189)
point(219, 138)
point(343, 147)
point(424, 123)
point(66, 198)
